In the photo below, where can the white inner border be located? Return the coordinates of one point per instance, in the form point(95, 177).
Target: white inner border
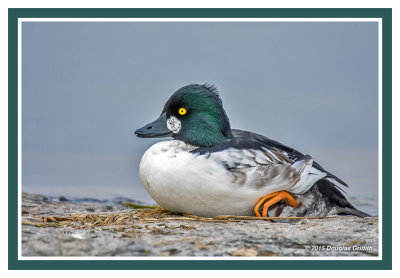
point(20, 20)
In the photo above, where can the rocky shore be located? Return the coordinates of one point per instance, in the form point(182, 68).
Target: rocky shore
point(62, 227)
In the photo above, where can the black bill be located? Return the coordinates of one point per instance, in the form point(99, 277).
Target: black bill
point(158, 128)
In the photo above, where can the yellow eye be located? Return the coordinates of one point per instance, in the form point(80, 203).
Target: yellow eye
point(182, 111)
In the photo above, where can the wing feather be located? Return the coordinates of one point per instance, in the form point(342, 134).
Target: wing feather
point(245, 140)
point(272, 170)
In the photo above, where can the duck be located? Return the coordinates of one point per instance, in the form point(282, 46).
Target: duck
point(208, 169)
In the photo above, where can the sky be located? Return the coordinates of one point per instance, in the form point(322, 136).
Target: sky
point(86, 87)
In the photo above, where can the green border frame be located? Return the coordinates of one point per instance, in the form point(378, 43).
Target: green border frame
point(386, 214)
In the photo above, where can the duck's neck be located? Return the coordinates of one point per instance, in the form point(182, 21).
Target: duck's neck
point(205, 139)
point(206, 133)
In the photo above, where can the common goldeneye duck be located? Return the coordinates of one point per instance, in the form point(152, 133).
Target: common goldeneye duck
point(209, 169)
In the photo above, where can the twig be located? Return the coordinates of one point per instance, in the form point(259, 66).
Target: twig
point(224, 218)
point(270, 218)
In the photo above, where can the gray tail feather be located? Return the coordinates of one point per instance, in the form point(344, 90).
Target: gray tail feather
point(336, 198)
point(352, 211)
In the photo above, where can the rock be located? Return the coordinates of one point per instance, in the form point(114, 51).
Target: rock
point(244, 252)
point(51, 227)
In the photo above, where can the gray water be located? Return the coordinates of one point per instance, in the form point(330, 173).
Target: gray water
point(86, 86)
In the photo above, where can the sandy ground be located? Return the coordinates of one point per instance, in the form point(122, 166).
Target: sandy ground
point(67, 228)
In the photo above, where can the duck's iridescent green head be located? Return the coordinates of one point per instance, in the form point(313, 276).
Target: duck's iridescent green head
point(193, 114)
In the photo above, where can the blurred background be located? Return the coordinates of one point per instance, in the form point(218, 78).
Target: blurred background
point(87, 86)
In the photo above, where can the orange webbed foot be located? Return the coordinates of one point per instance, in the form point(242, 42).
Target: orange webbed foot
point(272, 199)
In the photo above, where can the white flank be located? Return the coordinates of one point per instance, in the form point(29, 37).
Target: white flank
point(181, 181)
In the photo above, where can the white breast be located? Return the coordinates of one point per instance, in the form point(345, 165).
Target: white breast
point(184, 182)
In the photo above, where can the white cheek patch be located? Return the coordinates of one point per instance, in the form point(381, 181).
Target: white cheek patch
point(174, 124)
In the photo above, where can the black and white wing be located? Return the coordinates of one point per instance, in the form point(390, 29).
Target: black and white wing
point(276, 158)
point(251, 161)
